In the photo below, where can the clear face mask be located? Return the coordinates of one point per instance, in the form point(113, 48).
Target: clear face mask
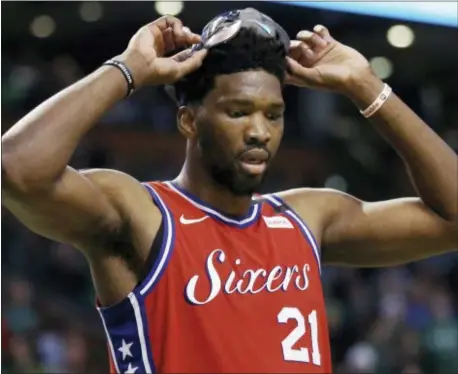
point(226, 26)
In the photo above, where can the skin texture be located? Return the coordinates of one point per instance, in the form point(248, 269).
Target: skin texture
point(244, 111)
point(109, 216)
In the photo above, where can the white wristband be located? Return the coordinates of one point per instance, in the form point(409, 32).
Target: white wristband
point(378, 102)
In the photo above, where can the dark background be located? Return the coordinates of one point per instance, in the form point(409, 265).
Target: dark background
point(393, 320)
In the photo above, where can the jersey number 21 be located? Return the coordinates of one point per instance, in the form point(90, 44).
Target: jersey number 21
point(301, 354)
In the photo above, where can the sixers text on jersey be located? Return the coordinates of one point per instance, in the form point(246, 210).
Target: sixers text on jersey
point(224, 294)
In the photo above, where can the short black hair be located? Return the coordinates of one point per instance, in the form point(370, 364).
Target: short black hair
point(246, 51)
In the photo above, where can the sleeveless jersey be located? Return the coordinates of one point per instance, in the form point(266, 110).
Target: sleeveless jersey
point(225, 294)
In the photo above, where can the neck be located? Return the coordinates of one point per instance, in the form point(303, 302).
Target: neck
point(200, 184)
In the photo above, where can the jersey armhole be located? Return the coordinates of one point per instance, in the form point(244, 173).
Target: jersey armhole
point(161, 248)
point(280, 206)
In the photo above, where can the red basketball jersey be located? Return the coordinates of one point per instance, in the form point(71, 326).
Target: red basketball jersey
point(225, 294)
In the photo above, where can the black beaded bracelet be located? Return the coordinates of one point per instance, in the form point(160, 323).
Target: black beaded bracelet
point(125, 72)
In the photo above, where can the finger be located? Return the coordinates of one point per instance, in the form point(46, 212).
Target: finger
point(186, 38)
point(183, 55)
point(183, 35)
point(295, 49)
point(169, 40)
point(302, 53)
point(175, 24)
point(178, 32)
point(292, 66)
point(191, 38)
point(168, 21)
point(295, 69)
point(191, 64)
point(323, 32)
point(291, 79)
point(313, 40)
point(158, 38)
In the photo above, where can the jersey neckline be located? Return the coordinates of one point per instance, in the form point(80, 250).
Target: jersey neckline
point(237, 221)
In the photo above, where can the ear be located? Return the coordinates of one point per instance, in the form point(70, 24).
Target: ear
point(186, 121)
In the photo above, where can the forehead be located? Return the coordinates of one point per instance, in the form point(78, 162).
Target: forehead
point(253, 86)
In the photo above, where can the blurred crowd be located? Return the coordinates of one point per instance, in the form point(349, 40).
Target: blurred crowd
point(385, 321)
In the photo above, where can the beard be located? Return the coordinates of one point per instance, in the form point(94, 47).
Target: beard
point(226, 171)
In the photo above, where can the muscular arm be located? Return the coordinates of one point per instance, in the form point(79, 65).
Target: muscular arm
point(372, 234)
point(55, 200)
point(357, 233)
point(432, 165)
point(384, 233)
point(353, 232)
point(402, 230)
point(102, 212)
point(50, 197)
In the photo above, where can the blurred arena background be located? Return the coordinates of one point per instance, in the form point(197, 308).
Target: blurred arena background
point(397, 320)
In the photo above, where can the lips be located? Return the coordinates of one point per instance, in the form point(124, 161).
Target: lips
point(254, 156)
point(254, 161)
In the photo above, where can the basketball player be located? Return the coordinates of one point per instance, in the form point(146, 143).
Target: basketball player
point(201, 274)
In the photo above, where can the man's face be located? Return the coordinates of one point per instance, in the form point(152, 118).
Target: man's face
point(239, 129)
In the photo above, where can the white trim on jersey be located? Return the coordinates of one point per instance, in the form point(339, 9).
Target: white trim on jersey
point(141, 332)
point(168, 242)
point(110, 343)
point(252, 217)
point(302, 224)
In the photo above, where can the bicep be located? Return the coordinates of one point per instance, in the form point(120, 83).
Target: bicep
point(76, 210)
point(385, 233)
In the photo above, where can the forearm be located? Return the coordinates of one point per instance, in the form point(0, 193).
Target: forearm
point(431, 163)
point(37, 149)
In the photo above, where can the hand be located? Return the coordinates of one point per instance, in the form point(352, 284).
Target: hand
point(145, 54)
point(317, 60)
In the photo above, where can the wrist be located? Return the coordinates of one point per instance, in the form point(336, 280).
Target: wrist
point(363, 89)
point(137, 65)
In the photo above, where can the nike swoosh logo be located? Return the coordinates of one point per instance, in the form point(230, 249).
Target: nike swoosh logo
point(186, 221)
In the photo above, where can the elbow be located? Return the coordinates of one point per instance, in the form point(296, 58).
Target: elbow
point(14, 172)
point(9, 174)
point(12, 179)
point(18, 176)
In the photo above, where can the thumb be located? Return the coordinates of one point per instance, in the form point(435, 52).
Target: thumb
point(188, 63)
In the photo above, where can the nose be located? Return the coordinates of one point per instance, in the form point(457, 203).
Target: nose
point(257, 131)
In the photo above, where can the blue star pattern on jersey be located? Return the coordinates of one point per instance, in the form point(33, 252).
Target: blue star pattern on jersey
point(127, 332)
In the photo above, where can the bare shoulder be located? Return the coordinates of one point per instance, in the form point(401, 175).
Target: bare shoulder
point(317, 206)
